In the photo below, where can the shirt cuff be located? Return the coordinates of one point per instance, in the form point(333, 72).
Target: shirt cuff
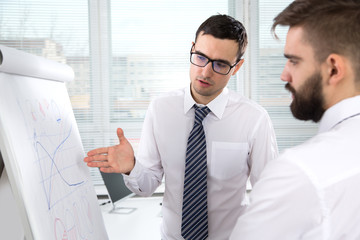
point(135, 172)
point(131, 180)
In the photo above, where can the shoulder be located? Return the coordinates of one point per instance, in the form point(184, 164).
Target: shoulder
point(327, 156)
point(317, 159)
point(240, 102)
point(314, 150)
point(286, 192)
point(171, 99)
point(171, 95)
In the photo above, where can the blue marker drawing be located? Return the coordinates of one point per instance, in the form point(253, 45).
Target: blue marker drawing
point(51, 158)
point(51, 137)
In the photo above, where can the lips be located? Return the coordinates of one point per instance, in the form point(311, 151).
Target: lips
point(204, 82)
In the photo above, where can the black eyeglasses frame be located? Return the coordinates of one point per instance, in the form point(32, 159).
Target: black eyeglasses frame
point(212, 61)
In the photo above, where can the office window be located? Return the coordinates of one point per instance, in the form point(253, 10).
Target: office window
point(124, 53)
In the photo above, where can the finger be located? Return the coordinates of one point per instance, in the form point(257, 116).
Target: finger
point(87, 159)
point(102, 150)
point(120, 134)
point(96, 158)
point(93, 164)
point(103, 164)
point(107, 170)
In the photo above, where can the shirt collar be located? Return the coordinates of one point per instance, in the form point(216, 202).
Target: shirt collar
point(217, 106)
point(340, 111)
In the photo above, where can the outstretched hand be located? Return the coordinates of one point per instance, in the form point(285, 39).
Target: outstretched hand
point(115, 159)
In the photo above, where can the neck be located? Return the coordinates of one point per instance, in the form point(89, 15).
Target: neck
point(201, 98)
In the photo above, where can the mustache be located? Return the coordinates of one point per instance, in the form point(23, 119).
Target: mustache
point(289, 88)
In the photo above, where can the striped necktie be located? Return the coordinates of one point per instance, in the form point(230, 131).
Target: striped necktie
point(194, 211)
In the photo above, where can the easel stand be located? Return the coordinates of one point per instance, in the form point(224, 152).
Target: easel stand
point(10, 221)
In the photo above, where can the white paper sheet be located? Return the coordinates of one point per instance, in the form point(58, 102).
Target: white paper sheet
point(43, 152)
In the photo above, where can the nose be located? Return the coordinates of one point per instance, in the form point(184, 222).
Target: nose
point(207, 70)
point(285, 75)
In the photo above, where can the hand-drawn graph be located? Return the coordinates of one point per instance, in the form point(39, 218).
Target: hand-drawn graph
point(74, 226)
point(50, 133)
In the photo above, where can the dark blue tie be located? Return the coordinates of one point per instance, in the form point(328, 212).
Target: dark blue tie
point(194, 211)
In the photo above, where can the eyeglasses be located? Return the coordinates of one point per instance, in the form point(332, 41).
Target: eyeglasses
point(218, 66)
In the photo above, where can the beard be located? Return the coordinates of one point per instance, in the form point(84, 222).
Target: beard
point(308, 100)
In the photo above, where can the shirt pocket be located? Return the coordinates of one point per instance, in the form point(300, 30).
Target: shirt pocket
point(228, 159)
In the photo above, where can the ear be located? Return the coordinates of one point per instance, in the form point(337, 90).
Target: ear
point(335, 69)
point(237, 67)
point(192, 46)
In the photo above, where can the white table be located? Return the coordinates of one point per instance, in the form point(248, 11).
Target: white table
point(143, 223)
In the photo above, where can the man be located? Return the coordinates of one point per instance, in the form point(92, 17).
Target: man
point(312, 191)
point(239, 142)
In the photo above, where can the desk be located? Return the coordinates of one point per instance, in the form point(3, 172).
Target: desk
point(143, 223)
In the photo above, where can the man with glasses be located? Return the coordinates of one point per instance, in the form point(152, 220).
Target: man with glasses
point(234, 140)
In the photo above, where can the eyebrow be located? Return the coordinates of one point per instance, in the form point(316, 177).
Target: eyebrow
point(219, 60)
point(290, 56)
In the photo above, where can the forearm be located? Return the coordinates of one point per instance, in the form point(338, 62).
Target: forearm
point(143, 181)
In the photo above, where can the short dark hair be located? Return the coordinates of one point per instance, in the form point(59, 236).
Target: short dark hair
point(330, 26)
point(225, 27)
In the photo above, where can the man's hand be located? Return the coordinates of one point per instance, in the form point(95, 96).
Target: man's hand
point(115, 159)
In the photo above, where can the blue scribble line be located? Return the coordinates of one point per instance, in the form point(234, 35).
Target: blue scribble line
point(53, 164)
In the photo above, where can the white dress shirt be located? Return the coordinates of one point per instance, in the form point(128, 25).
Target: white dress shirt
point(240, 141)
point(311, 191)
